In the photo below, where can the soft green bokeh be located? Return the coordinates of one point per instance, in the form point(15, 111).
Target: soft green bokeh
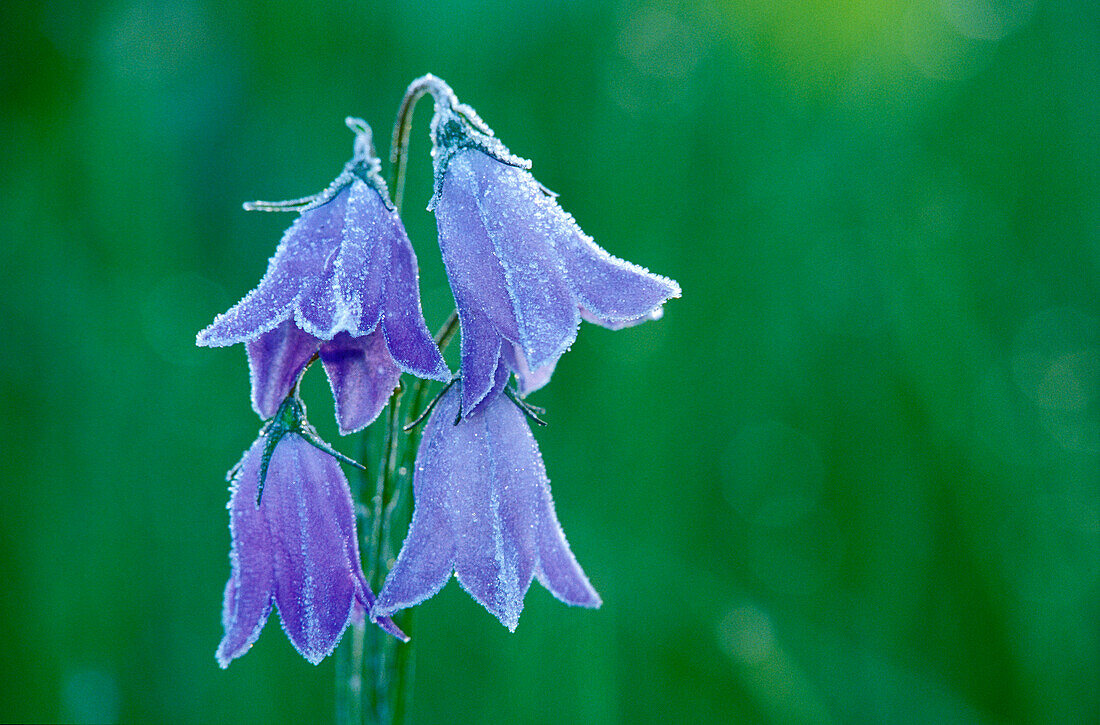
point(852, 476)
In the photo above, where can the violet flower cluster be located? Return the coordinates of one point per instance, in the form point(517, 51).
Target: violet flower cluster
point(343, 288)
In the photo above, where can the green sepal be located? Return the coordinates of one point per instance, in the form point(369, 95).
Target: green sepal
point(291, 418)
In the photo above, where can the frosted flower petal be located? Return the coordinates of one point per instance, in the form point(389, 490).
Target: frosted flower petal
point(250, 591)
point(407, 334)
point(362, 374)
point(296, 549)
point(295, 268)
point(482, 510)
point(344, 268)
point(527, 380)
point(275, 359)
point(522, 272)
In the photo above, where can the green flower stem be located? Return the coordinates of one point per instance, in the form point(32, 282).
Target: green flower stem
point(402, 128)
point(388, 664)
point(404, 659)
point(391, 686)
point(349, 657)
point(384, 493)
point(381, 643)
point(349, 677)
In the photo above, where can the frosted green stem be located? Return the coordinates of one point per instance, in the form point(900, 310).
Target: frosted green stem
point(402, 128)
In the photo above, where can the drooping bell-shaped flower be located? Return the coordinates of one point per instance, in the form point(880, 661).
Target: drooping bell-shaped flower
point(342, 284)
point(294, 544)
point(483, 511)
point(522, 272)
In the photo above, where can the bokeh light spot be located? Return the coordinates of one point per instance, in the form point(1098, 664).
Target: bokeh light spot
point(1055, 359)
point(89, 696)
point(937, 50)
point(658, 55)
point(988, 19)
point(745, 633)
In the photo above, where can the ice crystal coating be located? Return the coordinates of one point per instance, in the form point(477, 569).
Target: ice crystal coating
point(522, 272)
point(483, 511)
point(344, 284)
point(295, 547)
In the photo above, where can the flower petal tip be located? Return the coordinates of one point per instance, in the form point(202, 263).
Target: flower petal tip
point(225, 656)
point(571, 588)
point(507, 612)
point(207, 338)
point(388, 624)
point(441, 374)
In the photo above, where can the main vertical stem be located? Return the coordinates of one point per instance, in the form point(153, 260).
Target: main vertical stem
point(379, 676)
point(349, 656)
point(387, 666)
point(349, 676)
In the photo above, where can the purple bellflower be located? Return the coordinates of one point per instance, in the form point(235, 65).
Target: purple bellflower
point(483, 511)
point(522, 272)
point(342, 285)
point(294, 543)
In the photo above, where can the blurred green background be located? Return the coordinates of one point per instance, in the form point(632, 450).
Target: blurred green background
point(852, 476)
